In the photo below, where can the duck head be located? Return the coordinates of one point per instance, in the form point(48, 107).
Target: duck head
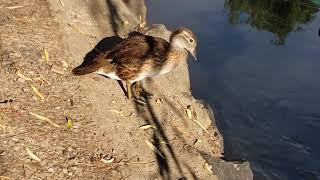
point(185, 39)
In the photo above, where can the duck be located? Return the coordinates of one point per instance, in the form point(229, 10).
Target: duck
point(141, 56)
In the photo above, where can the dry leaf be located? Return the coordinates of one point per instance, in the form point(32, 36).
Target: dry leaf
point(18, 73)
point(154, 149)
point(33, 156)
point(108, 161)
point(37, 92)
point(43, 118)
point(208, 167)
point(148, 126)
point(69, 123)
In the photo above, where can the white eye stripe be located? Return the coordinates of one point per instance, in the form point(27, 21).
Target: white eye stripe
point(189, 39)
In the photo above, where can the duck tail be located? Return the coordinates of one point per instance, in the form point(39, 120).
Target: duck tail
point(93, 66)
point(84, 69)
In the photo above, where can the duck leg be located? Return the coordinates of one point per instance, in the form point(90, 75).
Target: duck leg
point(129, 90)
point(138, 88)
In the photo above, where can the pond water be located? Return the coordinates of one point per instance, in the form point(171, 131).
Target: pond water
point(259, 67)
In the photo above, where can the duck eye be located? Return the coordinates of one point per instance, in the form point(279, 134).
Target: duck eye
point(191, 40)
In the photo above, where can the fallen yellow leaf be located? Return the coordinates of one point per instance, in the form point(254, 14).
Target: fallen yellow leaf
point(69, 123)
point(45, 55)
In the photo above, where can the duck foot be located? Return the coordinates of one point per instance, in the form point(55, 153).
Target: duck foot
point(139, 91)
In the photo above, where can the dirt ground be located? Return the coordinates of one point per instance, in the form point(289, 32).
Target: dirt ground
point(93, 130)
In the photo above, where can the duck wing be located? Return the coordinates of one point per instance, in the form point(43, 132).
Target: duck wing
point(133, 52)
point(139, 47)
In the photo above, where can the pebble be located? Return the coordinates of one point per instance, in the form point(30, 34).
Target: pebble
point(65, 171)
point(50, 170)
point(16, 148)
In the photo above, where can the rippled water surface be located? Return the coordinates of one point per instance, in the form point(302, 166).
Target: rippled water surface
point(259, 67)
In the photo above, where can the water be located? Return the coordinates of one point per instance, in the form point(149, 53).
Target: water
point(259, 67)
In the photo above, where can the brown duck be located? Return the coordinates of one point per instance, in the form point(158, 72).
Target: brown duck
point(140, 56)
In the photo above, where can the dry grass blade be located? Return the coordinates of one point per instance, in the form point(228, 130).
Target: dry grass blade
point(45, 80)
point(189, 114)
point(37, 92)
point(18, 73)
point(147, 126)
point(43, 118)
point(154, 149)
point(33, 156)
point(120, 113)
point(80, 31)
point(205, 130)
point(108, 161)
point(61, 2)
point(4, 177)
point(14, 7)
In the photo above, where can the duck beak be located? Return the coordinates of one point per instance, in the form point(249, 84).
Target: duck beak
point(194, 53)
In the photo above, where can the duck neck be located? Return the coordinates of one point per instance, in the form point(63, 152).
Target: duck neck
point(175, 55)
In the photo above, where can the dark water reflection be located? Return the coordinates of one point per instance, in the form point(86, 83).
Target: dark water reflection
point(258, 67)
